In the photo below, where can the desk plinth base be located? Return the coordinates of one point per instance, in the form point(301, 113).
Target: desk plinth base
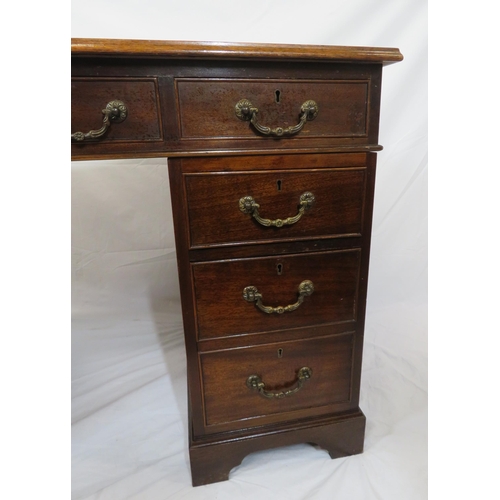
point(212, 460)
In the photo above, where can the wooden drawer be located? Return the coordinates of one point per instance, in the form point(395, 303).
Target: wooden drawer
point(221, 292)
point(218, 213)
point(208, 107)
point(89, 96)
point(230, 402)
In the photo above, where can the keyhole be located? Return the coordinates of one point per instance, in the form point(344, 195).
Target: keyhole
point(280, 353)
point(279, 269)
point(278, 185)
point(277, 93)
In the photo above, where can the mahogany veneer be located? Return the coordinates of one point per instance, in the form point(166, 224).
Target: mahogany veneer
point(272, 171)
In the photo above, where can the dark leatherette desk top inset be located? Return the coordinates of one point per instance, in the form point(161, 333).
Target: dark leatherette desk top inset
point(272, 168)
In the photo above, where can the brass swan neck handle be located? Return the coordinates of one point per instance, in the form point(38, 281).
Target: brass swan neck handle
point(114, 112)
point(252, 294)
point(256, 383)
point(248, 205)
point(246, 111)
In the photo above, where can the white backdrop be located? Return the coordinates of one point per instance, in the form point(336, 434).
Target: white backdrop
point(129, 407)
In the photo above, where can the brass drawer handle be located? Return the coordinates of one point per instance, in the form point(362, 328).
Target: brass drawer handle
point(249, 206)
point(246, 111)
point(251, 294)
point(115, 112)
point(255, 382)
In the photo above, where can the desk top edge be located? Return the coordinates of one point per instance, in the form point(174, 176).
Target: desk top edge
point(223, 50)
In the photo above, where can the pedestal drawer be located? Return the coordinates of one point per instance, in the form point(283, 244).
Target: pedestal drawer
point(242, 387)
point(238, 207)
point(295, 291)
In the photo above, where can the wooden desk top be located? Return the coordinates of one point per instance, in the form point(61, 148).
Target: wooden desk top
point(218, 50)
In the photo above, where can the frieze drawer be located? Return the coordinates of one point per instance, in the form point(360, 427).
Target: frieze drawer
point(235, 108)
point(114, 110)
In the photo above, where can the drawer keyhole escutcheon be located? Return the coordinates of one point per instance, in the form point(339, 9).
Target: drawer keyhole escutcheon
point(252, 294)
point(279, 269)
point(280, 352)
point(278, 94)
point(278, 184)
point(248, 205)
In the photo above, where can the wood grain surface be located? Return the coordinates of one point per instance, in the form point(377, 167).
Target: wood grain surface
point(209, 50)
point(227, 398)
point(222, 311)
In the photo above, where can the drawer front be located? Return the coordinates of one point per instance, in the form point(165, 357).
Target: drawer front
point(89, 96)
point(226, 292)
point(208, 107)
point(229, 398)
point(238, 207)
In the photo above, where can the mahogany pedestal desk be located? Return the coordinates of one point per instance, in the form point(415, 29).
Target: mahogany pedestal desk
point(272, 167)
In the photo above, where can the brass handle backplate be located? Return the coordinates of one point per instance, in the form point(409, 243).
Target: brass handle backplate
point(256, 383)
point(246, 111)
point(251, 294)
point(249, 206)
point(115, 112)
